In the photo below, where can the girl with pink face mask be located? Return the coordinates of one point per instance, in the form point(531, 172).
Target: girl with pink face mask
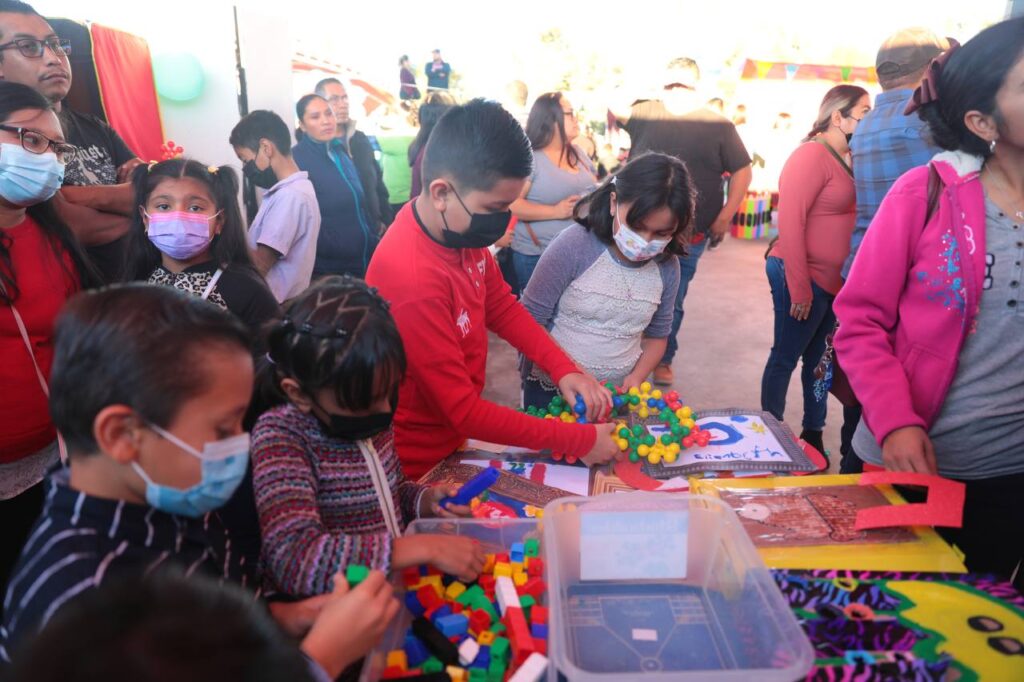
point(605, 287)
point(188, 233)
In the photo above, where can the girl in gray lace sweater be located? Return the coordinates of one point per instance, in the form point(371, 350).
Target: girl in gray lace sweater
point(605, 287)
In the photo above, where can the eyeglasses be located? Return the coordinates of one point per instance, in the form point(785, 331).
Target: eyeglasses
point(34, 49)
point(37, 143)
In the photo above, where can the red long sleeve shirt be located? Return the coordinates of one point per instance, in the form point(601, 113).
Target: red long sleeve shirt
point(444, 301)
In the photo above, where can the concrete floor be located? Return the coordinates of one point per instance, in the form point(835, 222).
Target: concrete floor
point(724, 343)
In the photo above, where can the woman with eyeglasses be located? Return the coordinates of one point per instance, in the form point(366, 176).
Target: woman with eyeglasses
point(562, 173)
point(41, 265)
point(817, 211)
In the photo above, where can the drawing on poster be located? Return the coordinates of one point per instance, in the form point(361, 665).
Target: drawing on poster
point(736, 438)
point(573, 479)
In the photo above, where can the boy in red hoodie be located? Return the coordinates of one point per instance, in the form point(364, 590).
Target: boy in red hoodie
point(446, 291)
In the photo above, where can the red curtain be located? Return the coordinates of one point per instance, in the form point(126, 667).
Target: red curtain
point(125, 72)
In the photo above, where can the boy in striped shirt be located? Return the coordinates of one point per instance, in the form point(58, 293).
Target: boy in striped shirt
point(149, 387)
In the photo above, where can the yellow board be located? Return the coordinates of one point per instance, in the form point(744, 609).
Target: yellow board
point(927, 553)
point(945, 609)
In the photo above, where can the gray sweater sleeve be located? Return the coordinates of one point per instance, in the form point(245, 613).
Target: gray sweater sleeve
point(565, 259)
point(661, 324)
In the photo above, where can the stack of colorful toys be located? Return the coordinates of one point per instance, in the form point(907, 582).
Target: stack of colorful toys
point(493, 630)
point(639, 405)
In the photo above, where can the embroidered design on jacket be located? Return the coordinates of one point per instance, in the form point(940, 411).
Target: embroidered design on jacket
point(947, 287)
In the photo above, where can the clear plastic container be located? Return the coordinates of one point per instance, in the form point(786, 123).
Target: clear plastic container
point(724, 621)
point(494, 535)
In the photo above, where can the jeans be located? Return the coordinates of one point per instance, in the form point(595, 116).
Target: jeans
point(536, 395)
point(524, 267)
point(851, 463)
point(795, 340)
point(687, 269)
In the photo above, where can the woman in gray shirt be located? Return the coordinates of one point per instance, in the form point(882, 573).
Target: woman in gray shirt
point(561, 175)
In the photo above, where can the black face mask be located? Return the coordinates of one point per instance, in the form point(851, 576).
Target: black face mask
point(358, 428)
point(484, 228)
point(265, 178)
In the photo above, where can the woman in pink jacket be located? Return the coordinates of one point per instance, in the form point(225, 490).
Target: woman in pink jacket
point(817, 211)
point(932, 315)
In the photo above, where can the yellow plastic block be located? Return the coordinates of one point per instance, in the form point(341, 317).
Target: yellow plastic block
point(517, 567)
point(519, 579)
point(503, 569)
point(454, 590)
point(397, 659)
point(486, 638)
point(457, 674)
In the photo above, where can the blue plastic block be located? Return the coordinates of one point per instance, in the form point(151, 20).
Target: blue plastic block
point(441, 612)
point(517, 552)
point(452, 625)
point(539, 631)
point(483, 659)
point(415, 651)
point(413, 604)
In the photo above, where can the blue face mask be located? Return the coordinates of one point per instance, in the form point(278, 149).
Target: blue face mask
point(224, 465)
point(27, 179)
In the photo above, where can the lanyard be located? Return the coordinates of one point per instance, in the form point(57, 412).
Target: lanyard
point(380, 485)
point(213, 283)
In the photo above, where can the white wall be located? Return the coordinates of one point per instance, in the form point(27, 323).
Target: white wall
point(206, 30)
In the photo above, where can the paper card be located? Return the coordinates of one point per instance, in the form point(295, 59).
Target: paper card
point(944, 505)
point(633, 545)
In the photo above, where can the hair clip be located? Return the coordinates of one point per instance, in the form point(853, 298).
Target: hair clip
point(212, 170)
point(269, 359)
point(149, 166)
point(306, 328)
point(171, 150)
point(340, 333)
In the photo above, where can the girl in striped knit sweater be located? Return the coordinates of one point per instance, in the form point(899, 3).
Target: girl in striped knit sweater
point(328, 485)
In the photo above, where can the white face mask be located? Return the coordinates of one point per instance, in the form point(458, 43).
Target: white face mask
point(27, 179)
point(633, 246)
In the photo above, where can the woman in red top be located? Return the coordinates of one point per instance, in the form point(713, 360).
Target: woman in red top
point(817, 211)
point(41, 265)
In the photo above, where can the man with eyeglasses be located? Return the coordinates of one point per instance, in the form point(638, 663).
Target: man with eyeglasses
point(96, 197)
point(360, 150)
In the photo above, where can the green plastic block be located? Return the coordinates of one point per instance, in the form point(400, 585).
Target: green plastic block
point(469, 596)
point(499, 650)
point(498, 628)
point(432, 665)
point(355, 574)
point(496, 673)
point(482, 602)
point(477, 675)
point(532, 547)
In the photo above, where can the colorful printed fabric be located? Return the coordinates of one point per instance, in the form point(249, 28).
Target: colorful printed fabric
point(907, 626)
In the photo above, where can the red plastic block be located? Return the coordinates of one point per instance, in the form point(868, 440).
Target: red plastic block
point(486, 582)
point(428, 597)
point(541, 646)
point(536, 568)
point(394, 673)
point(534, 587)
point(479, 621)
point(519, 635)
point(410, 576)
point(539, 615)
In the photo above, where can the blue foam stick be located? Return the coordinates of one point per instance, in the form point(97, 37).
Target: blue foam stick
point(473, 487)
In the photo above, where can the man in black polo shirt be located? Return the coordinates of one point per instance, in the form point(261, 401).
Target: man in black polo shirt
point(96, 196)
point(680, 125)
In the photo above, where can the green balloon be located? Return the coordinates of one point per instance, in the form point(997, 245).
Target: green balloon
point(179, 76)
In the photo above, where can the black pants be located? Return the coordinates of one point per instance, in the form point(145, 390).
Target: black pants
point(17, 515)
point(850, 463)
point(992, 537)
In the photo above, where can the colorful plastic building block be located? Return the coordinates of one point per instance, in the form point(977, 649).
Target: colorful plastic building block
point(505, 591)
point(436, 641)
point(532, 548)
point(415, 652)
point(454, 590)
point(452, 625)
point(531, 670)
point(468, 651)
point(473, 487)
point(485, 638)
point(517, 552)
point(355, 574)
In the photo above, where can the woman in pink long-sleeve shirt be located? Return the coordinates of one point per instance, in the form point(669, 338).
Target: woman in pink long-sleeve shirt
point(817, 210)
